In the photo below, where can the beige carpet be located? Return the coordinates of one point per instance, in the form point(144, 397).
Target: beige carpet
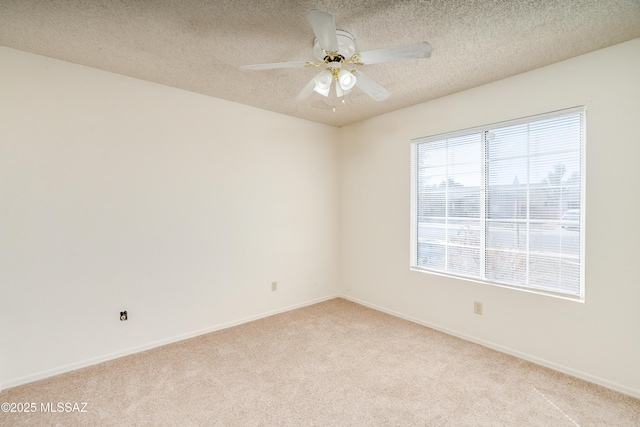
point(331, 364)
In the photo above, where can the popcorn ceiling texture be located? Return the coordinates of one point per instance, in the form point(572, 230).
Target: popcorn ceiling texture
point(198, 45)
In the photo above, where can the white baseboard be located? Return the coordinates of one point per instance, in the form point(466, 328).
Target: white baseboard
point(556, 367)
point(104, 358)
point(93, 361)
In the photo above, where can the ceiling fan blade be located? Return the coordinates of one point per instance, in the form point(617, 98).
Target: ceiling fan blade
point(296, 64)
point(324, 27)
point(370, 87)
point(306, 91)
point(396, 53)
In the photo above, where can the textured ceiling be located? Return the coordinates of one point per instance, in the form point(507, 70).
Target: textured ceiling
point(198, 45)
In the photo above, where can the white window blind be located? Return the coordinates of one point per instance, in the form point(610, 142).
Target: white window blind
point(503, 203)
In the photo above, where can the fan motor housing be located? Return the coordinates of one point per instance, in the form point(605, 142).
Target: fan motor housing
point(346, 46)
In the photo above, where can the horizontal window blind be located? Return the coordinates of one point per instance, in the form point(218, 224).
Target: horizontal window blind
point(503, 203)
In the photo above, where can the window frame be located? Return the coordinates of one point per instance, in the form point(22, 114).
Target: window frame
point(482, 278)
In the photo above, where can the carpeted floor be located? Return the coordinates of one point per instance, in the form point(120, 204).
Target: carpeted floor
point(336, 363)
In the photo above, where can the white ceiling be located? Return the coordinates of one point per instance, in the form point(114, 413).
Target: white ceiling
point(198, 45)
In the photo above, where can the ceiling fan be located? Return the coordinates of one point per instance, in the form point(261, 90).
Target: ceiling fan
point(336, 53)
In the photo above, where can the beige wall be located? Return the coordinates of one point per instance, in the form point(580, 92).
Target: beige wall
point(599, 339)
point(121, 194)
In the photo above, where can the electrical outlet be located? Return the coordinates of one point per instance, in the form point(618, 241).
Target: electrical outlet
point(477, 307)
point(274, 286)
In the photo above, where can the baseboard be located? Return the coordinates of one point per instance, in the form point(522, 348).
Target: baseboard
point(543, 362)
point(148, 346)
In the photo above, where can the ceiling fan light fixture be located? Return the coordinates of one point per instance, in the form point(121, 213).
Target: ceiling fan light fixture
point(336, 49)
point(322, 91)
point(346, 80)
point(323, 82)
point(340, 93)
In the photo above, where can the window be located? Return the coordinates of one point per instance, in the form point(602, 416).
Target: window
point(503, 203)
